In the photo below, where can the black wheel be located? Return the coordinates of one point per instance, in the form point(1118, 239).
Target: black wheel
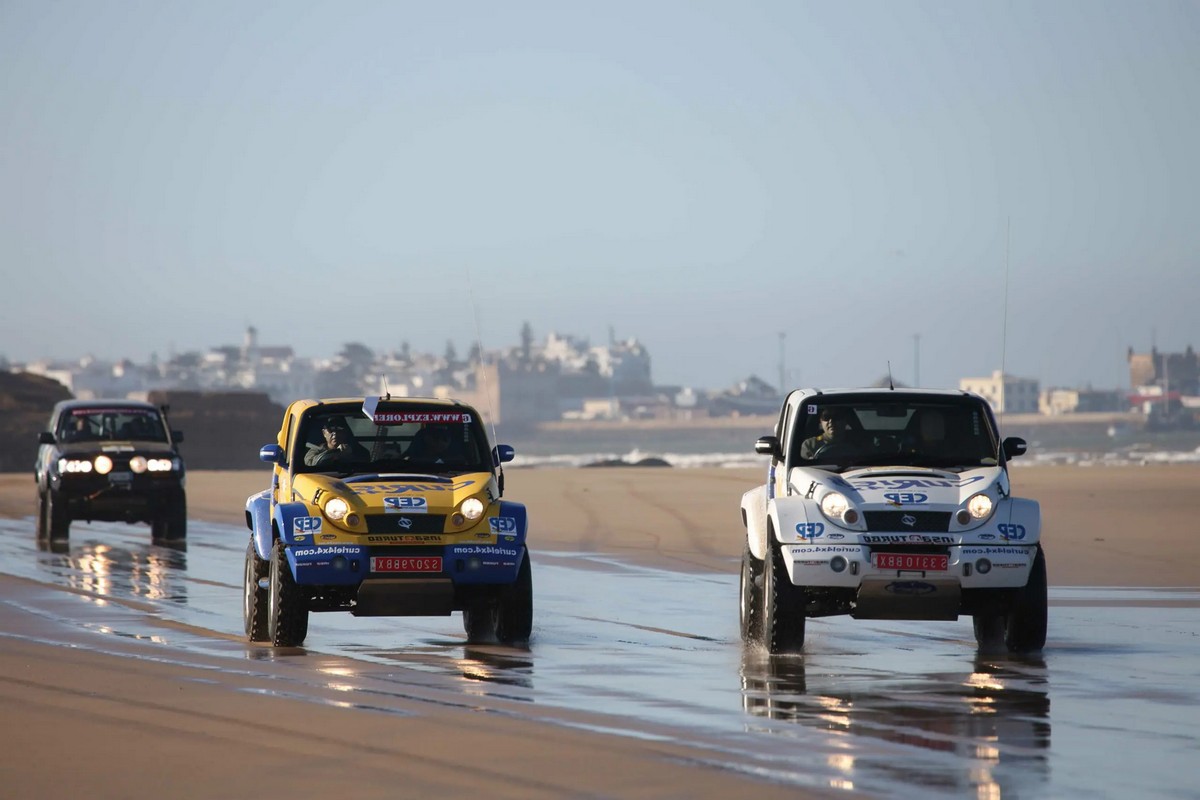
point(1026, 628)
point(783, 605)
point(170, 523)
point(58, 517)
point(479, 620)
point(287, 621)
point(514, 610)
point(256, 598)
point(750, 607)
point(42, 527)
point(989, 631)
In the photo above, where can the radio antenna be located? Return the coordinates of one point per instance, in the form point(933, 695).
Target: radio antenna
point(891, 383)
point(487, 394)
point(1004, 324)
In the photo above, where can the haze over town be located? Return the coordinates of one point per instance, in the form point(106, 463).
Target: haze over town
point(1012, 183)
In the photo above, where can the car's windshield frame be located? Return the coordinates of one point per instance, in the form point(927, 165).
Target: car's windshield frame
point(390, 447)
point(894, 430)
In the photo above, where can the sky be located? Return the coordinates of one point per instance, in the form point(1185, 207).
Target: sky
point(828, 189)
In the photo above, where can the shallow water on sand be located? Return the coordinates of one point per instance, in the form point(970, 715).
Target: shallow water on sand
point(881, 708)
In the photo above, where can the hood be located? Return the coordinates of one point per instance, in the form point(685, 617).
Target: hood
point(87, 449)
point(876, 488)
point(378, 493)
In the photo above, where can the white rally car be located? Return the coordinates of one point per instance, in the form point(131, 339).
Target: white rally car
point(891, 504)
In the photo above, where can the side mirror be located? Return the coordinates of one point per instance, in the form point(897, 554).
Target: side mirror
point(272, 454)
point(768, 446)
point(177, 436)
point(1014, 446)
point(45, 437)
point(502, 454)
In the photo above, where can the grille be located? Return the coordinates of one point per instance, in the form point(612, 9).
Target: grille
point(395, 523)
point(923, 521)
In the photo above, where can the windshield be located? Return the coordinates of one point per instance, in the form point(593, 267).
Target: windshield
point(413, 440)
point(111, 424)
point(887, 431)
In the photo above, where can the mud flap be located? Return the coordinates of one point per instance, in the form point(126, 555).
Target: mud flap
point(411, 597)
point(908, 598)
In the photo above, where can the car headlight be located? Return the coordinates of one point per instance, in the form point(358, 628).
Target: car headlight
point(337, 509)
point(836, 507)
point(472, 508)
point(138, 464)
point(104, 465)
point(980, 506)
point(73, 465)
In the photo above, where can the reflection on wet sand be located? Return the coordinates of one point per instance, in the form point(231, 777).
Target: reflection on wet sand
point(153, 572)
point(992, 723)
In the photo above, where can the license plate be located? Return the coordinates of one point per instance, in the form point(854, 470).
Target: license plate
point(406, 564)
point(922, 561)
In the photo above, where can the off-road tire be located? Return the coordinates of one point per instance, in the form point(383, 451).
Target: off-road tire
point(479, 620)
point(287, 612)
point(256, 599)
point(1025, 631)
point(170, 523)
point(58, 517)
point(783, 615)
point(42, 526)
point(989, 631)
point(751, 591)
point(514, 609)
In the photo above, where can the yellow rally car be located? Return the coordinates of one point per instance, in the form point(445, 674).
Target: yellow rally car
point(386, 507)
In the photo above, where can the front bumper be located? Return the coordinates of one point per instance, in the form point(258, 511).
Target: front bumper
point(851, 566)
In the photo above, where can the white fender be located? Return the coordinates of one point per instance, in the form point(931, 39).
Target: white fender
point(754, 514)
point(1024, 521)
point(786, 513)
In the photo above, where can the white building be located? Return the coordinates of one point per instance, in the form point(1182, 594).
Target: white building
point(1007, 394)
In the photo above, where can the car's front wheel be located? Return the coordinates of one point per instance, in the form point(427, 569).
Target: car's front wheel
point(287, 624)
point(1025, 631)
point(58, 517)
point(751, 589)
point(256, 598)
point(783, 605)
point(42, 532)
point(170, 523)
point(514, 610)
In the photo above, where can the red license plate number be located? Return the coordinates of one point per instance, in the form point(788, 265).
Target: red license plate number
point(406, 564)
point(922, 561)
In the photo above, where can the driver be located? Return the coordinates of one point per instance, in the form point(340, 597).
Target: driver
point(833, 431)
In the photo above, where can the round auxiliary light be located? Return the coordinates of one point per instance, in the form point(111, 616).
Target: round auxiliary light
point(352, 520)
point(458, 519)
point(963, 516)
point(838, 563)
point(138, 464)
point(336, 509)
point(983, 566)
point(104, 465)
point(980, 506)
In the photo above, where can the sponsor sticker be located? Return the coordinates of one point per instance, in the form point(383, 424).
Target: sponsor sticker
point(401, 417)
point(411, 505)
point(804, 550)
point(906, 538)
point(1011, 532)
point(328, 550)
point(405, 538)
point(910, 588)
point(900, 484)
point(810, 530)
point(407, 488)
point(306, 525)
point(502, 524)
point(485, 550)
point(905, 498)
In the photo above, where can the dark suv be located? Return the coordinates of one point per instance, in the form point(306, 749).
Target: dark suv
point(110, 460)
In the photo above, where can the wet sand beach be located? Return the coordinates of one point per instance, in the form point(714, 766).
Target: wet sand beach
point(134, 717)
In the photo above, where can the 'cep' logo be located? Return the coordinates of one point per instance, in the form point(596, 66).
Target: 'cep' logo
point(810, 530)
point(900, 498)
point(306, 525)
point(1014, 532)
